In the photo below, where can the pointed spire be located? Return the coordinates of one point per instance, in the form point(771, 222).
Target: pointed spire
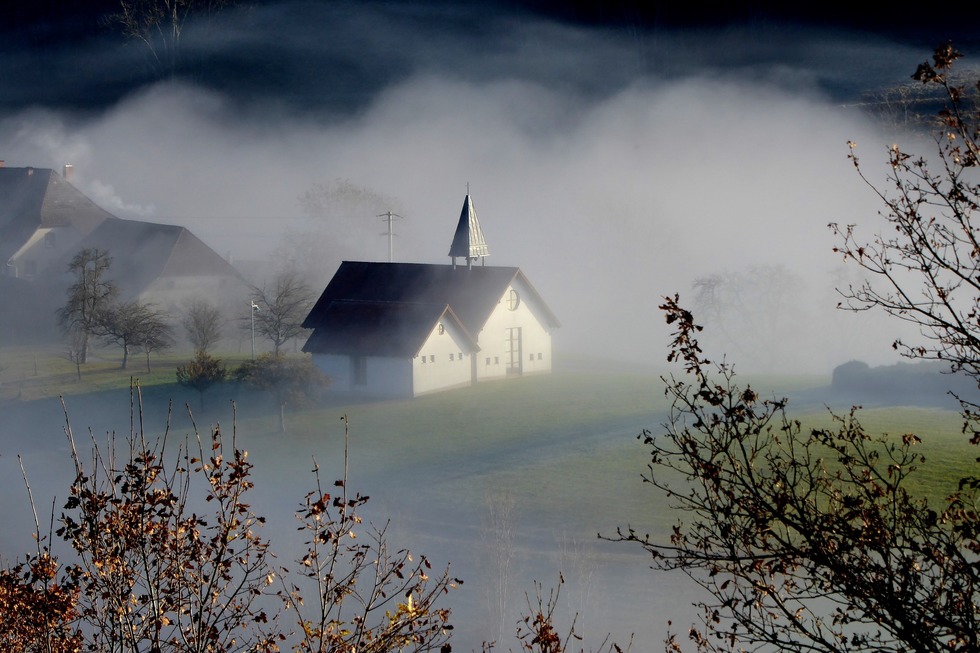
point(468, 242)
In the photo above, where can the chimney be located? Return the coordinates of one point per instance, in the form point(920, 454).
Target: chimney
point(68, 169)
point(1, 163)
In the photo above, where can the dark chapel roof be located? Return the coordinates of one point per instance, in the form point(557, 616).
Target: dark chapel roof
point(371, 302)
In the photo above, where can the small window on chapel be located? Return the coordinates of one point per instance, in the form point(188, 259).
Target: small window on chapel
point(513, 300)
point(432, 358)
point(539, 355)
point(442, 329)
point(452, 356)
point(460, 355)
point(488, 360)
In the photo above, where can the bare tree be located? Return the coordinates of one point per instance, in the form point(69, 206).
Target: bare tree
point(282, 307)
point(135, 324)
point(157, 335)
point(342, 198)
point(74, 351)
point(754, 310)
point(159, 26)
point(498, 533)
point(340, 213)
point(89, 297)
point(578, 561)
point(120, 325)
point(203, 324)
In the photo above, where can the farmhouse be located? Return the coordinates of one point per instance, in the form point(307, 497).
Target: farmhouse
point(45, 221)
point(164, 264)
point(406, 329)
point(42, 218)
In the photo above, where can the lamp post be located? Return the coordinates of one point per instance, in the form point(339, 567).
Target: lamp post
point(251, 316)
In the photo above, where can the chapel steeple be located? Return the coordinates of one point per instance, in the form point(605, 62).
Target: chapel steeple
point(468, 243)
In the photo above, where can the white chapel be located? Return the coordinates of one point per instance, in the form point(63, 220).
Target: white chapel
point(406, 329)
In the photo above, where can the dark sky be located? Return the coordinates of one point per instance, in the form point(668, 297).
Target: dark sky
point(337, 55)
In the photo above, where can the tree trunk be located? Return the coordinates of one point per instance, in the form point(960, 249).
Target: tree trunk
point(125, 356)
point(282, 416)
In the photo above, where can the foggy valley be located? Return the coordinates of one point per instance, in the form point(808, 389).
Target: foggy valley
point(613, 164)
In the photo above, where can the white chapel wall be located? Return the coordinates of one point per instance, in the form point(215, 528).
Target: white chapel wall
point(496, 339)
point(443, 361)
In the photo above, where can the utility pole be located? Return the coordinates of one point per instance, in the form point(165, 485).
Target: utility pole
point(389, 218)
point(251, 316)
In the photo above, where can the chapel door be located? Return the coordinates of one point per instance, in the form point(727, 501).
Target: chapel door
point(514, 351)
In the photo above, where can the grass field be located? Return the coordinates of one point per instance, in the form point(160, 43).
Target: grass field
point(569, 425)
point(562, 447)
point(36, 372)
point(948, 455)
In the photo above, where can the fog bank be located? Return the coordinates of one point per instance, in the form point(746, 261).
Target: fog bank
point(613, 170)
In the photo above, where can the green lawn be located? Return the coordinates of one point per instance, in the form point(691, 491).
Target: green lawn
point(563, 442)
point(565, 445)
point(948, 454)
point(39, 371)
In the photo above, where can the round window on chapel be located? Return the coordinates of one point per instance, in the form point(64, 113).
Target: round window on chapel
point(513, 300)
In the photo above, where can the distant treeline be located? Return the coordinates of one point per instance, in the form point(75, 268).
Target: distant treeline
point(923, 383)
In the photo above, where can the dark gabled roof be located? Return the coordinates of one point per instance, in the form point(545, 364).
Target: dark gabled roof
point(468, 242)
point(379, 328)
point(472, 293)
point(31, 198)
point(143, 252)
